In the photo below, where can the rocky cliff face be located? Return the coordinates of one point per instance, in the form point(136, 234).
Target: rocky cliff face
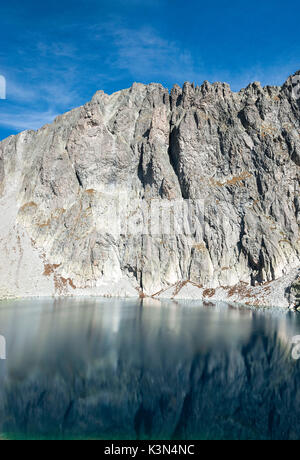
point(68, 190)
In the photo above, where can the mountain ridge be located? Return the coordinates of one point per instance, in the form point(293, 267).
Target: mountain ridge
point(234, 155)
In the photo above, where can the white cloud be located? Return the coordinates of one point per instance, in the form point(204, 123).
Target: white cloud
point(25, 119)
point(51, 92)
point(56, 72)
point(35, 99)
point(146, 55)
point(19, 92)
point(56, 49)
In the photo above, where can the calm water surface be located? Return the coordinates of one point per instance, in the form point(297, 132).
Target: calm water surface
point(120, 369)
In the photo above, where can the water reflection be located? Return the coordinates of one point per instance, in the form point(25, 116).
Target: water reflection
point(123, 369)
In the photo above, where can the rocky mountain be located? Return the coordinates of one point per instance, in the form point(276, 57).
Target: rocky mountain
point(190, 193)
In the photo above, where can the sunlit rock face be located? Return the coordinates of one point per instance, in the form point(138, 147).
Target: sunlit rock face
point(147, 370)
point(66, 188)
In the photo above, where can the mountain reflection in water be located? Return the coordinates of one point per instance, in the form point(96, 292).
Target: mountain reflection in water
point(122, 369)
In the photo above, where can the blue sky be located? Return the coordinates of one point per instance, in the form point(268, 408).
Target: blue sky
point(56, 54)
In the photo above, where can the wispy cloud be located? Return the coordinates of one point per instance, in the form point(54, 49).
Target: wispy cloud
point(32, 107)
point(60, 68)
point(56, 49)
point(146, 55)
point(17, 91)
point(34, 100)
point(55, 85)
point(26, 119)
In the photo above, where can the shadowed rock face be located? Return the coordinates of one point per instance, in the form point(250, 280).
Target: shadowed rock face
point(295, 293)
point(238, 153)
point(133, 371)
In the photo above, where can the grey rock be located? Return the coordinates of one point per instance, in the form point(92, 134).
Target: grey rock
point(295, 293)
point(238, 154)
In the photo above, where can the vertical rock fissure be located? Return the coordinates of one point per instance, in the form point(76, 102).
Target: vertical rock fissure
point(173, 159)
